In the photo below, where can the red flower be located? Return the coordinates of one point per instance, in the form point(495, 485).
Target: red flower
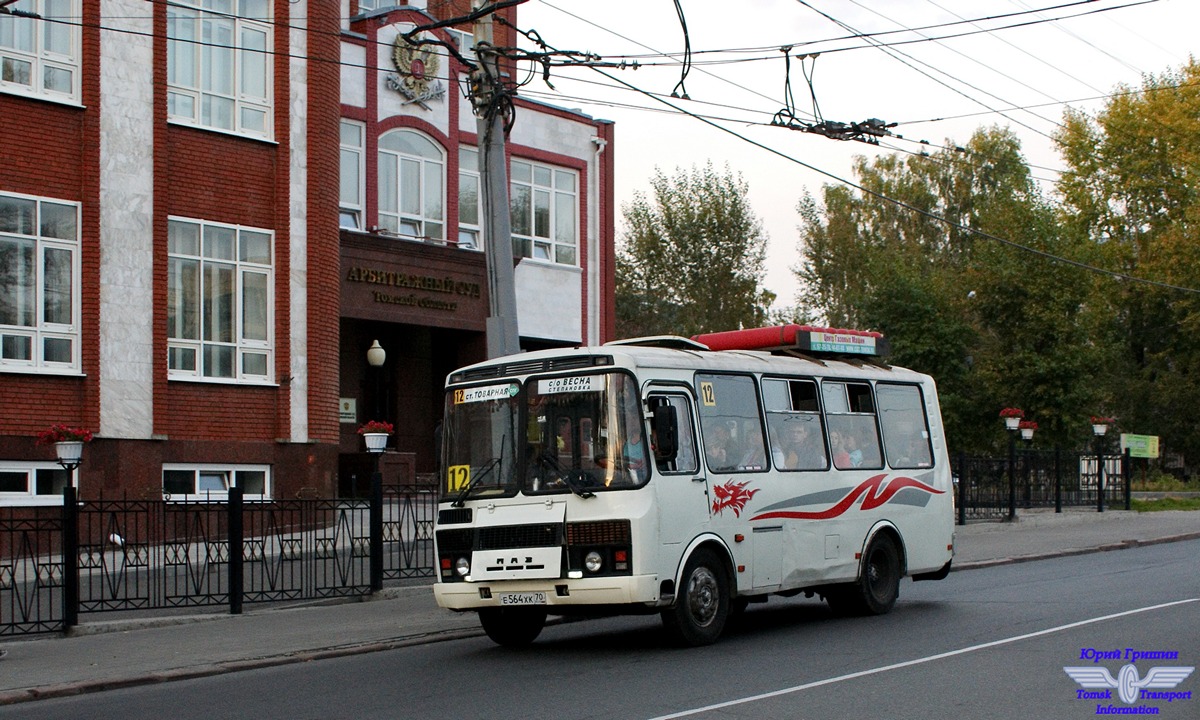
point(63, 433)
point(376, 426)
point(1102, 420)
point(1012, 412)
point(1027, 425)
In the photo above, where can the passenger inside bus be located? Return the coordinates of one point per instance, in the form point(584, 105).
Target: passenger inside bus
point(717, 448)
point(841, 456)
point(796, 447)
point(634, 453)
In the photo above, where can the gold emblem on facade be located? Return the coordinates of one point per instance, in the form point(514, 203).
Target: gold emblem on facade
point(416, 76)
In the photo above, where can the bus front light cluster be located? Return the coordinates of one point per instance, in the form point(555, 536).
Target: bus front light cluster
point(451, 567)
point(598, 548)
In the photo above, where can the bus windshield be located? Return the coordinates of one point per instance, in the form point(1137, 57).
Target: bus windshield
point(480, 441)
point(584, 433)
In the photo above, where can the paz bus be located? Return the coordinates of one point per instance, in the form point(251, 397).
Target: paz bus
point(689, 478)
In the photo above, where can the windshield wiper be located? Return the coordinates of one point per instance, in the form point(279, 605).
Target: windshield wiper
point(475, 479)
point(568, 478)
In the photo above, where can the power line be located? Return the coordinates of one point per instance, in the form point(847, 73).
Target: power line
point(767, 53)
point(899, 203)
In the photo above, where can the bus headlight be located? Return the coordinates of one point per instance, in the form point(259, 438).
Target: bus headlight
point(462, 566)
point(593, 562)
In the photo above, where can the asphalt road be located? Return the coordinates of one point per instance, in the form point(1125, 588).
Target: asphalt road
point(986, 643)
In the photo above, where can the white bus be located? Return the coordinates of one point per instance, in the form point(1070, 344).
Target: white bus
point(689, 478)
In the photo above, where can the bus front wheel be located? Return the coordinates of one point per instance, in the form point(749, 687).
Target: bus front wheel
point(512, 627)
point(702, 607)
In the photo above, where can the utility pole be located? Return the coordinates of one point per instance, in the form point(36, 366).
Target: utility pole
point(487, 98)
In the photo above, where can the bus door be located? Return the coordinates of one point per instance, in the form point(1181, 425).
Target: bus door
point(681, 488)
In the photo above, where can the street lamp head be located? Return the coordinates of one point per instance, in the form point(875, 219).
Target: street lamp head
point(376, 355)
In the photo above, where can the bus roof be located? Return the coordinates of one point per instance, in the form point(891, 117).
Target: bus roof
point(791, 349)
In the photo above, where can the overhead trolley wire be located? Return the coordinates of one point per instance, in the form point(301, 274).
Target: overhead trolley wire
point(899, 203)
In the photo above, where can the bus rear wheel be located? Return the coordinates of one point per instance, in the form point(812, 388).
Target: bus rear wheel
point(878, 585)
point(513, 627)
point(703, 605)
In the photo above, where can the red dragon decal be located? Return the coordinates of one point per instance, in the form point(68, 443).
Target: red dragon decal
point(732, 495)
point(873, 499)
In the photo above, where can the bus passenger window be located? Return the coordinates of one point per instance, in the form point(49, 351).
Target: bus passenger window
point(794, 422)
point(850, 414)
point(905, 431)
point(731, 423)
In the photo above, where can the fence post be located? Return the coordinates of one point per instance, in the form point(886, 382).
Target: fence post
point(70, 557)
point(1057, 478)
point(376, 530)
point(237, 531)
point(1012, 475)
point(1125, 477)
point(962, 489)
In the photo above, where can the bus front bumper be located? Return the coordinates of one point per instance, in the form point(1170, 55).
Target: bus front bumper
point(561, 592)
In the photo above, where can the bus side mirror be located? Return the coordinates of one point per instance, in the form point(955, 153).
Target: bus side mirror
point(665, 426)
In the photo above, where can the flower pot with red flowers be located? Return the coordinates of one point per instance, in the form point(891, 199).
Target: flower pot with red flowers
point(375, 434)
point(1012, 417)
point(1027, 427)
point(1100, 424)
point(68, 443)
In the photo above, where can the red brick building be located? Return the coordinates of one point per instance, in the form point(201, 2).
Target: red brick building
point(173, 271)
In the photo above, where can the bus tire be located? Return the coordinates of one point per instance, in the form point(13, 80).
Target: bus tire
point(878, 584)
point(513, 627)
point(703, 606)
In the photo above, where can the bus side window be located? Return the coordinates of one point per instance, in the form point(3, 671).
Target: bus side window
point(685, 460)
point(794, 424)
point(905, 430)
point(732, 424)
point(853, 434)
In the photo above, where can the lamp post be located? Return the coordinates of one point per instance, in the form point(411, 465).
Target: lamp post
point(70, 457)
point(375, 520)
point(1027, 428)
point(1099, 429)
point(1012, 421)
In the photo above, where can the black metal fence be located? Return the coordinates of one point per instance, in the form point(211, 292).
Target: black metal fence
point(995, 488)
point(107, 555)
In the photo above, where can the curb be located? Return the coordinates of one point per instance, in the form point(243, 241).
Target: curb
point(1071, 552)
point(45, 692)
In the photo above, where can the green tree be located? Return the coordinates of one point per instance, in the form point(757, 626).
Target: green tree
point(691, 258)
point(911, 256)
point(1132, 192)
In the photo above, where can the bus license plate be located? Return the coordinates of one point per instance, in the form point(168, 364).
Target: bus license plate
point(523, 598)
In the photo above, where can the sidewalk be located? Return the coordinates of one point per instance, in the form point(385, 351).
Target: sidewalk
point(119, 652)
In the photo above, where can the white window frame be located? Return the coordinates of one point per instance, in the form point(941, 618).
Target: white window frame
point(53, 48)
point(351, 182)
point(243, 347)
point(531, 180)
point(195, 37)
point(31, 497)
point(464, 41)
point(225, 475)
point(470, 234)
point(394, 218)
point(42, 332)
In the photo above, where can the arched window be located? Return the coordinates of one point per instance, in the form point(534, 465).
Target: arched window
point(411, 185)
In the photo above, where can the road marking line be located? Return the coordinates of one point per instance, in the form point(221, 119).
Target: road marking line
point(918, 661)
